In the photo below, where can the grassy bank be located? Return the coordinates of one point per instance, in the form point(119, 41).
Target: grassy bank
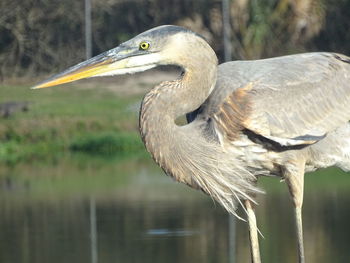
point(62, 119)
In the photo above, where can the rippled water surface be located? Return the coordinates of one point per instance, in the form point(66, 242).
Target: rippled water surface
point(93, 210)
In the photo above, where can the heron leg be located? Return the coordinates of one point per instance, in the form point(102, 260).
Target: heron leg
point(299, 229)
point(295, 182)
point(253, 233)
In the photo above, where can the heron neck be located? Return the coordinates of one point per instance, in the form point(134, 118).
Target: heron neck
point(166, 141)
point(184, 152)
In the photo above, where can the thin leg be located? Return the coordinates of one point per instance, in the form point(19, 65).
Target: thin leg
point(295, 182)
point(299, 229)
point(253, 233)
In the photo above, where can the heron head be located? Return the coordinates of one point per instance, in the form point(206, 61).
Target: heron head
point(162, 45)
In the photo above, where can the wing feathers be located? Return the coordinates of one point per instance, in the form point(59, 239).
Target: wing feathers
point(291, 100)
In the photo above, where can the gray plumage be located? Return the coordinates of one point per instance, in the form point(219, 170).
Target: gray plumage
point(294, 100)
point(273, 117)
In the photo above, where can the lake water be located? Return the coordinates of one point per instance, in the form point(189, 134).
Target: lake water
point(126, 210)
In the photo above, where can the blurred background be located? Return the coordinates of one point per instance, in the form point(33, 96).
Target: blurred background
point(40, 36)
point(76, 184)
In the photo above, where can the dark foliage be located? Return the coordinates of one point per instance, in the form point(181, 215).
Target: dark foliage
point(41, 36)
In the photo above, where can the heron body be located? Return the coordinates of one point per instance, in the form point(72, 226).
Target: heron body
point(273, 117)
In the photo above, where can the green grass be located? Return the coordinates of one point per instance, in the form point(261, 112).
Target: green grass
point(64, 119)
point(107, 143)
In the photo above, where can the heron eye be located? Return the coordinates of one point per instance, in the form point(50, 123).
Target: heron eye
point(144, 45)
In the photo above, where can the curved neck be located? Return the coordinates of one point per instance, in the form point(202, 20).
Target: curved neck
point(181, 96)
point(184, 152)
point(166, 141)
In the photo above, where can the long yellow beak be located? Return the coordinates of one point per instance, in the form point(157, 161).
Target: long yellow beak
point(103, 63)
point(119, 60)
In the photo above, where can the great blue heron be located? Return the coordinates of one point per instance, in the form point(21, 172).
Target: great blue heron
point(279, 117)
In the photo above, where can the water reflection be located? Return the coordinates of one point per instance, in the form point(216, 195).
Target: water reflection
point(93, 231)
point(129, 212)
point(170, 233)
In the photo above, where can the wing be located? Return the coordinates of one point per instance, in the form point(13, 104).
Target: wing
point(291, 100)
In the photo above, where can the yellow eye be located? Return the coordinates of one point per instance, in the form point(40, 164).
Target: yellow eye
point(144, 45)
